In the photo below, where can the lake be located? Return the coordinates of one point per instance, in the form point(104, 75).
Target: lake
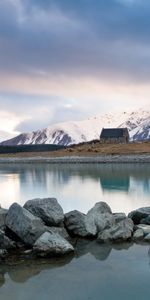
point(79, 186)
point(96, 271)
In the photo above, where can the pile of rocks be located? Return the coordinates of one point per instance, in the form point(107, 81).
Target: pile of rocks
point(42, 227)
point(39, 226)
point(141, 219)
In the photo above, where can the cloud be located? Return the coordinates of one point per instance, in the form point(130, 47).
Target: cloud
point(65, 60)
point(9, 121)
point(75, 37)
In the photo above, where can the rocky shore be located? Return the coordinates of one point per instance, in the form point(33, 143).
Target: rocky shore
point(114, 158)
point(41, 229)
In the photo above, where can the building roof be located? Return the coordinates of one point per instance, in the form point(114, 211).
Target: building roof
point(113, 132)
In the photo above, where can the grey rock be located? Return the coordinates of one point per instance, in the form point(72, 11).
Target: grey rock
point(100, 208)
point(5, 242)
point(25, 225)
point(138, 235)
point(147, 238)
point(3, 214)
point(3, 253)
point(120, 232)
point(96, 223)
point(119, 217)
point(60, 230)
point(139, 214)
point(145, 220)
point(145, 228)
point(48, 209)
point(75, 223)
point(50, 243)
point(99, 218)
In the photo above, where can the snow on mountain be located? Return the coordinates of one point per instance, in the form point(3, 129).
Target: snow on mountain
point(142, 131)
point(68, 133)
point(138, 124)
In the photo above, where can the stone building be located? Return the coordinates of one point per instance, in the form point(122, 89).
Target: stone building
point(114, 135)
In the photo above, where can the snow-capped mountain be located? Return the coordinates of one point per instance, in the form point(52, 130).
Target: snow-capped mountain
point(68, 133)
point(138, 124)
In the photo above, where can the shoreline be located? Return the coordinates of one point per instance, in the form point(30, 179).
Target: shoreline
point(40, 228)
point(100, 159)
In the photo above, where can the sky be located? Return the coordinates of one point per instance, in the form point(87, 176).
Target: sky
point(66, 60)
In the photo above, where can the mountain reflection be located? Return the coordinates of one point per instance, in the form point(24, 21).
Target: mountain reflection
point(77, 186)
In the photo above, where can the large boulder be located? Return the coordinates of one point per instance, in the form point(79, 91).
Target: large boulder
point(3, 254)
point(48, 209)
point(145, 220)
point(75, 222)
point(25, 225)
point(50, 243)
point(3, 214)
point(100, 208)
point(147, 238)
point(5, 242)
point(138, 235)
point(99, 218)
point(60, 230)
point(139, 214)
point(119, 217)
point(144, 228)
point(120, 232)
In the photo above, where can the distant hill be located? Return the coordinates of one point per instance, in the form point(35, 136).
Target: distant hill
point(69, 133)
point(5, 149)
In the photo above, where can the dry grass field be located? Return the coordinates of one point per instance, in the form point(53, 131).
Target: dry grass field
point(94, 148)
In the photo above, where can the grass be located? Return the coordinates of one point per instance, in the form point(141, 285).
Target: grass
point(94, 148)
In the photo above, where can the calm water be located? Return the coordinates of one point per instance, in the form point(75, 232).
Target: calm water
point(124, 187)
point(96, 271)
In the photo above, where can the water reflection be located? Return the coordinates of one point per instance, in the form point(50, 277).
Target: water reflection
point(123, 186)
point(115, 182)
point(95, 272)
point(22, 270)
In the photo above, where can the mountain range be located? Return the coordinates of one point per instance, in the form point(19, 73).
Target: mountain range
point(67, 133)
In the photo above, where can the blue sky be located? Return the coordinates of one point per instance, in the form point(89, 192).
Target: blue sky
point(67, 60)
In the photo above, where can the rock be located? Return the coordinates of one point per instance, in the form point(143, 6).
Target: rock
point(139, 214)
point(75, 222)
point(50, 243)
point(99, 218)
point(5, 242)
point(3, 253)
point(138, 235)
point(100, 208)
point(48, 209)
point(145, 220)
point(60, 230)
point(3, 214)
point(120, 232)
point(99, 222)
point(145, 228)
point(147, 238)
point(25, 225)
point(119, 217)
point(96, 220)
